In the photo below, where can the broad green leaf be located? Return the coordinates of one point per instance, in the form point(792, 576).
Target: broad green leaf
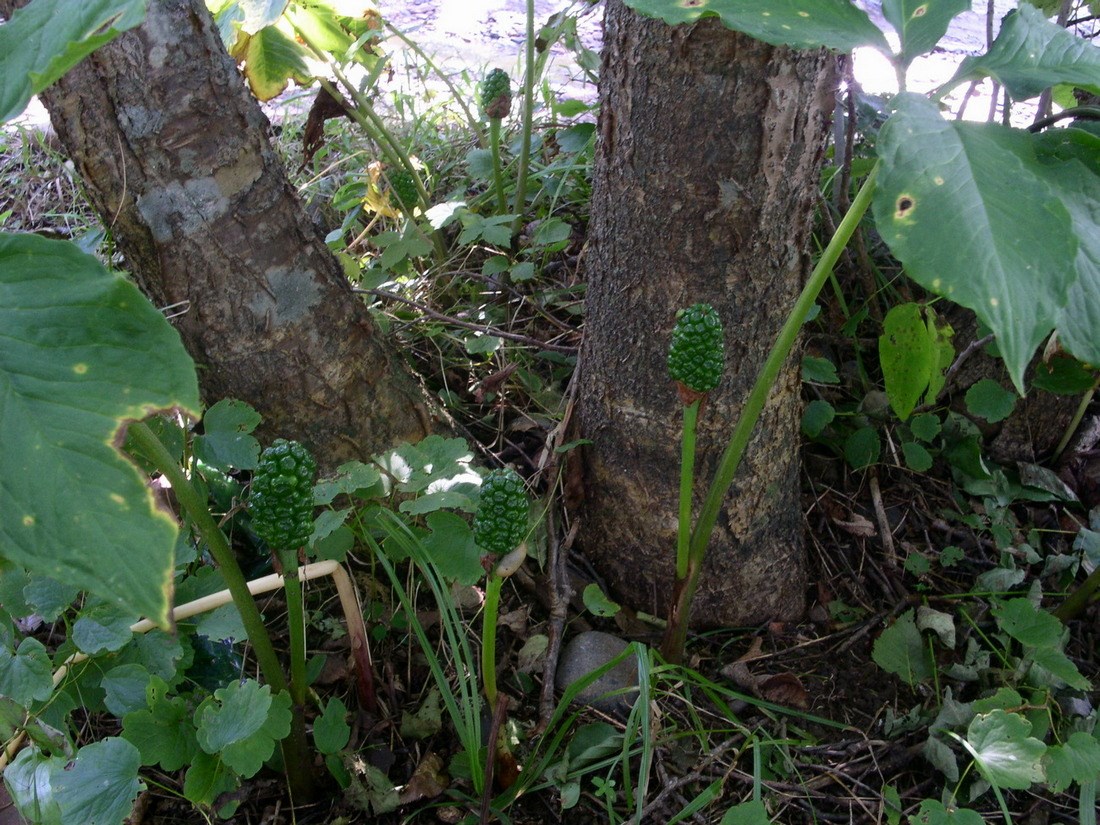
point(271, 61)
point(1032, 54)
point(816, 417)
point(921, 23)
point(801, 24)
point(1007, 755)
point(917, 459)
point(932, 812)
point(46, 38)
point(26, 675)
point(926, 427)
point(29, 780)
point(972, 214)
point(1059, 665)
point(819, 370)
point(900, 649)
point(331, 730)
point(241, 723)
point(100, 785)
point(1077, 760)
point(208, 777)
point(102, 627)
point(162, 731)
point(862, 448)
point(259, 14)
point(351, 477)
point(452, 548)
point(320, 29)
point(596, 601)
point(906, 354)
point(226, 441)
point(1072, 158)
point(1029, 625)
point(752, 812)
point(83, 352)
point(989, 400)
point(126, 687)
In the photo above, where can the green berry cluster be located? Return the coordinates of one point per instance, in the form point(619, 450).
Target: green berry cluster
point(696, 356)
point(501, 520)
point(496, 94)
point(281, 501)
point(403, 188)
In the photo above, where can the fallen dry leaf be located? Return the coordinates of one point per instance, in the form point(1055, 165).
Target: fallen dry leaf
point(429, 780)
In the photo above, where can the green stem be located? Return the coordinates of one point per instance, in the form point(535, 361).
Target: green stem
point(498, 175)
point(528, 104)
point(296, 626)
point(687, 481)
point(489, 638)
point(235, 582)
point(1075, 422)
point(1079, 599)
point(673, 647)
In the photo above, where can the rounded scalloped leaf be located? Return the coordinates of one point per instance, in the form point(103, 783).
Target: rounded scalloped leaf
point(83, 352)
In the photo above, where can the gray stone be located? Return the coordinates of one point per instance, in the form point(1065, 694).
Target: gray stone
point(585, 653)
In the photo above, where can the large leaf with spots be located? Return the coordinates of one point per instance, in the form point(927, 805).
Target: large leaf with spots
point(921, 23)
point(83, 352)
point(1032, 54)
point(975, 216)
point(801, 24)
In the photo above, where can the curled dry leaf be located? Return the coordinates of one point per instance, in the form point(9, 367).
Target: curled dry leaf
point(780, 688)
point(429, 780)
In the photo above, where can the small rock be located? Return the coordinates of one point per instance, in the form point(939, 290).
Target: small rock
point(585, 653)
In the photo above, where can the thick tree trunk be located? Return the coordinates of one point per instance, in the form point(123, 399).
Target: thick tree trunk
point(176, 159)
point(705, 177)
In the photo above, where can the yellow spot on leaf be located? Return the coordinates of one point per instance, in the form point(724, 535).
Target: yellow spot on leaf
point(993, 302)
point(803, 14)
point(80, 369)
point(28, 521)
point(938, 180)
point(936, 284)
point(920, 11)
point(904, 207)
point(117, 499)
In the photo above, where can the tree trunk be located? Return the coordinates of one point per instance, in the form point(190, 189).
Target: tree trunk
point(705, 177)
point(175, 157)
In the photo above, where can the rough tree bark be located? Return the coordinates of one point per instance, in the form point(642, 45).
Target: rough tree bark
point(175, 157)
point(710, 146)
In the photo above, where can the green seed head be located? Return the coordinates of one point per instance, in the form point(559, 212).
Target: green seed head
point(496, 94)
point(403, 189)
point(696, 356)
point(281, 501)
point(501, 520)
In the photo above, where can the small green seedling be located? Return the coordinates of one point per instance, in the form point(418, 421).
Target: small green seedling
point(696, 359)
point(496, 101)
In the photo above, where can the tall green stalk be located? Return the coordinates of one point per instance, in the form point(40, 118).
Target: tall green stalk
point(196, 509)
point(687, 483)
point(520, 203)
point(680, 613)
point(489, 638)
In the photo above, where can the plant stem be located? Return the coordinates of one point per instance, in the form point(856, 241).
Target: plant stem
point(489, 639)
point(498, 175)
point(296, 626)
point(679, 614)
point(199, 513)
point(525, 139)
point(687, 481)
